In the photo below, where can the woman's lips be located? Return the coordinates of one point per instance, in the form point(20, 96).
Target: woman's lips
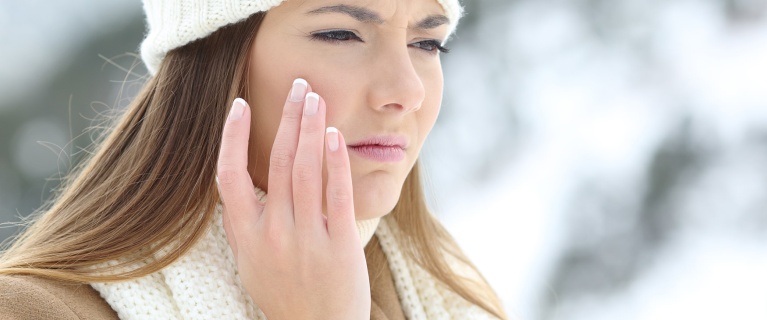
point(379, 153)
point(383, 148)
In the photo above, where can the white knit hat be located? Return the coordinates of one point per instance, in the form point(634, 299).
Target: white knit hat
point(174, 23)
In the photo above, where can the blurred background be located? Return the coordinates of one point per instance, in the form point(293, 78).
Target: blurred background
point(597, 159)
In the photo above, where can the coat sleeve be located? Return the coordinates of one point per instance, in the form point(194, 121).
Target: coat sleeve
point(25, 297)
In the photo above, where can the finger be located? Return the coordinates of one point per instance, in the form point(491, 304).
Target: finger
point(284, 152)
point(340, 198)
point(234, 183)
point(307, 167)
point(230, 236)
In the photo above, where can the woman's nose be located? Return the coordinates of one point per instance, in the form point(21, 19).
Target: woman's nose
point(395, 84)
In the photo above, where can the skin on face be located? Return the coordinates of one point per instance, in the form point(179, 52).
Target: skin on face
point(378, 76)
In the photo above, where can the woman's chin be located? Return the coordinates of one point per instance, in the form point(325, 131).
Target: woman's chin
point(375, 200)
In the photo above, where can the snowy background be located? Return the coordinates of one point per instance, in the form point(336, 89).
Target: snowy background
point(597, 159)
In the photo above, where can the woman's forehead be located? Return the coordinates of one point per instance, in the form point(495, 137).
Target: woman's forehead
point(368, 10)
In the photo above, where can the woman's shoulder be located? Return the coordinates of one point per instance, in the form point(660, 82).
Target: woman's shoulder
point(29, 297)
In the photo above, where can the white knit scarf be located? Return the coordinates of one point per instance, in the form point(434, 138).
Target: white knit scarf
point(204, 284)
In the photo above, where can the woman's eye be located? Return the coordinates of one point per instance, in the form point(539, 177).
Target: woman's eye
point(336, 36)
point(431, 46)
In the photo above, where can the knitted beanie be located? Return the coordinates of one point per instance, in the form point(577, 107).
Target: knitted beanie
point(174, 23)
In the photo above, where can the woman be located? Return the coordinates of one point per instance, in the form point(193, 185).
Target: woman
point(169, 217)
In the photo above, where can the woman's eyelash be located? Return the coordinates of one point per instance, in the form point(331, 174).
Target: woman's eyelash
point(335, 36)
point(431, 46)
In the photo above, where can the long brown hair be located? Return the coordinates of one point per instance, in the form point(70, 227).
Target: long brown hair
point(150, 182)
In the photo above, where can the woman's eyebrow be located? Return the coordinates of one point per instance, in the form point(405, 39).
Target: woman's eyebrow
point(366, 15)
point(432, 22)
point(359, 13)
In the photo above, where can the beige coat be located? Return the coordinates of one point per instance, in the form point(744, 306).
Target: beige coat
point(26, 297)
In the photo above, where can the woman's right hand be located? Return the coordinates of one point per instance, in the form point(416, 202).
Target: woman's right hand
point(294, 262)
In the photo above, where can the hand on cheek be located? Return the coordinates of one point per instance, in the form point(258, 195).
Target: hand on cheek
point(294, 262)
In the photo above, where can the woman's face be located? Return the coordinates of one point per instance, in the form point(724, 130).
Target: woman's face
point(375, 63)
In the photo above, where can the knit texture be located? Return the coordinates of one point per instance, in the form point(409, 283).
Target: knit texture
point(204, 284)
point(174, 23)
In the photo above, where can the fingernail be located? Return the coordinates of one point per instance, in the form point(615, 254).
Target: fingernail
point(298, 91)
point(238, 108)
point(311, 104)
point(332, 134)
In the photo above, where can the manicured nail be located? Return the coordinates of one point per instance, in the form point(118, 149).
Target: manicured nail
point(332, 136)
point(311, 104)
point(238, 108)
point(298, 91)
